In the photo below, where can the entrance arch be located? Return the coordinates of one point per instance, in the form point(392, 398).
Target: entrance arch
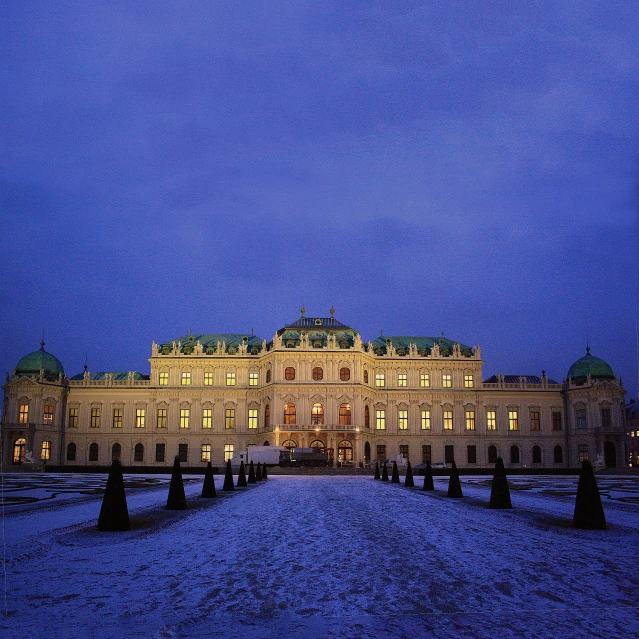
point(289, 443)
point(345, 451)
point(610, 455)
point(18, 450)
point(317, 443)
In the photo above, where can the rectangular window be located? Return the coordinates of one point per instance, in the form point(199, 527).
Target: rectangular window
point(556, 420)
point(381, 452)
point(208, 378)
point(23, 414)
point(160, 450)
point(253, 379)
point(206, 453)
point(403, 449)
point(513, 420)
point(230, 379)
point(468, 381)
point(472, 454)
point(470, 420)
point(380, 379)
point(449, 454)
point(161, 417)
point(140, 417)
point(605, 418)
point(117, 417)
point(491, 420)
point(186, 378)
point(583, 452)
point(402, 380)
point(535, 422)
point(183, 452)
point(164, 378)
point(207, 418)
point(45, 454)
point(185, 415)
point(581, 418)
point(402, 420)
point(380, 419)
point(228, 452)
point(447, 381)
point(426, 453)
point(95, 418)
point(229, 418)
point(424, 380)
point(425, 420)
point(47, 417)
point(73, 417)
point(448, 420)
point(252, 418)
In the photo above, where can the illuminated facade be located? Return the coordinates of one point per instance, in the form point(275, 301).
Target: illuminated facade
point(315, 383)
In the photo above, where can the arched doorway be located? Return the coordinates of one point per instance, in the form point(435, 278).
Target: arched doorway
point(610, 455)
point(116, 452)
point(492, 454)
point(345, 451)
point(18, 450)
point(367, 453)
point(514, 455)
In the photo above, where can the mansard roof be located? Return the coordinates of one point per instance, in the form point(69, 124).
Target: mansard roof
point(424, 344)
point(316, 323)
point(515, 379)
point(211, 340)
point(117, 375)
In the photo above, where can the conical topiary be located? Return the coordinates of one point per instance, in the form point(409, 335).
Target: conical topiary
point(251, 477)
point(208, 488)
point(589, 512)
point(500, 493)
point(241, 476)
point(228, 477)
point(377, 475)
point(454, 485)
point(409, 482)
point(428, 478)
point(176, 499)
point(114, 514)
point(258, 472)
point(264, 473)
point(385, 472)
point(395, 476)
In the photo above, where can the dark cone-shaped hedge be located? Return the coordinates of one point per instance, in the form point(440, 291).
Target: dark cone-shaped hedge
point(377, 475)
point(114, 514)
point(385, 472)
point(395, 476)
point(409, 482)
point(176, 499)
point(264, 473)
point(241, 476)
point(454, 485)
point(251, 477)
point(428, 478)
point(500, 493)
point(228, 477)
point(258, 472)
point(208, 488)
point(589, 512)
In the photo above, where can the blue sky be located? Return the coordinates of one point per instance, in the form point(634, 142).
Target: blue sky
point(469, 168)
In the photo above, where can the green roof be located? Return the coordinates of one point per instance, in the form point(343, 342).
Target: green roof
point(424, 344)
point(117, 375)
point(590, 365)
point(210, 340)
point(39, 360)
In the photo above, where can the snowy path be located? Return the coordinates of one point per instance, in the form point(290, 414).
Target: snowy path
point(324, 557)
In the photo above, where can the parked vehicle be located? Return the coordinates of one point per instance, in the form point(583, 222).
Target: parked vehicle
point(269, 455)
point(306, 457)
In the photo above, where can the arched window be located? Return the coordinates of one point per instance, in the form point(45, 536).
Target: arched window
point(71, 451)
point(18, 450)
point(267, 416)
point(93, 452)
point(492, 454)
point(344, 374)
point(116, 452)
point(138, 453)
point(268, 376)
point(345, 415)
point(365, 377)
point(367, 417)
point(318, 373)
point(289, 443)
point(317, 443)
point(317, 414)
point(266, 443)
point(345, 451)
point(289, 373)
point(514, 455)
point(289, 413)
point(559, 455)
point(536, 455)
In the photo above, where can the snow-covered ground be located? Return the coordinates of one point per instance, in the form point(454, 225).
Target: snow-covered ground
point(319, 557)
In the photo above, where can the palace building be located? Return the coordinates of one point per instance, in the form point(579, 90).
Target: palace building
point(316, 383)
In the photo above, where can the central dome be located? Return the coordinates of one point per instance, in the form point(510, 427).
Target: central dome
point(37, 361)
point(596, 367)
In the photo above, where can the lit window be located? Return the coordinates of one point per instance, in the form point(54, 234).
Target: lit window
point(402, 419)
point(345, 415)
point(161, 417)
point(45, 454)
point(117, 417)
point(95, 418)
point(318, 373)
point(447, 381)
point(556, 420)
point(23, 415)
point(468, 381)
point(228, 452)
point(289, 413)
point(47, 417)
point(253, 379)
point(160, 451)
point(470, 420)
point(380, 419)
point(491, 420)
point(208, 378)
point(581, 418)
point(583, 452)
point(448, 420)
point(186, 378)
point(289, 373)
point(230, 379)
point(424, 380)
point(344, 374)
point(185, 415)
point(19, 450)
point(138, 453)
point(513, 420)
point(380, 379)
point(207, 418)
point(140, 417)
point(402, 379)
point(425, 420)
point(229, 418)
point(164, 378)
point(73, 417)
point(206, 453)
point(183, 452)
point(535, 422)
point(252, 418)
point(317, 414)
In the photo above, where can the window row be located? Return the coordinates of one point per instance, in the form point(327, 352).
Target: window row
point(424, 380)
point(19, 451)
point(47, 413)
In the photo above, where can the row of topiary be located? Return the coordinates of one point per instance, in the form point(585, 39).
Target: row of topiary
point(588, 512)
point(114, 514)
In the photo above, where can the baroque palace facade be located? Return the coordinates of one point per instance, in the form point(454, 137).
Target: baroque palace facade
point(315, 384)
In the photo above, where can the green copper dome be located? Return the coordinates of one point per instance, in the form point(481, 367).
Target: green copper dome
point(590, 365)
point(34, 362)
